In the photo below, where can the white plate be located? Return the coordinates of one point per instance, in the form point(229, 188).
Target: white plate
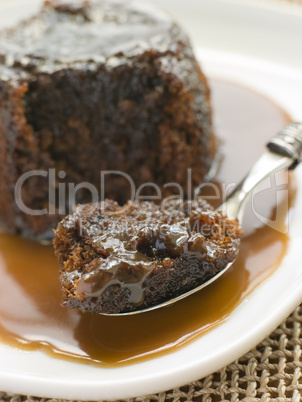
point(260, 47)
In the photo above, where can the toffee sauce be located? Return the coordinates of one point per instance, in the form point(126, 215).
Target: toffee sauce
point(30, 314)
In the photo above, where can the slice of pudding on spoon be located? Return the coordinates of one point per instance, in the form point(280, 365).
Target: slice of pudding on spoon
point(120, 259)
point(130, 259)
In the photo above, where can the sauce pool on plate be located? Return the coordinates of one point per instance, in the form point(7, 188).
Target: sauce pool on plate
point(30, 314)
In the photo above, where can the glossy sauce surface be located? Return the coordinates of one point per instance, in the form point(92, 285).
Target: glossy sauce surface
point(70, 33)
point(30, 314)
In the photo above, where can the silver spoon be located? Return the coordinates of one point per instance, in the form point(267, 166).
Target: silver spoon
point(284, 152)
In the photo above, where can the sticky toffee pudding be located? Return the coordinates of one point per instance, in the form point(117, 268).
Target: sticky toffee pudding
point(31, 317)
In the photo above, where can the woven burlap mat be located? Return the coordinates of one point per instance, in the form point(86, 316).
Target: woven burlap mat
point(270, 372)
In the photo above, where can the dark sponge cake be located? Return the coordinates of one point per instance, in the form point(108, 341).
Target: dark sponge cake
point(116, 259)
point(91, 86)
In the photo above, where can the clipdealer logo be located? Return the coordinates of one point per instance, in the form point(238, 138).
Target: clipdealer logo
point(62, 195)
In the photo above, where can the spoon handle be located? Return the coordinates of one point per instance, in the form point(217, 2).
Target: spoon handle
point(284, 152)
